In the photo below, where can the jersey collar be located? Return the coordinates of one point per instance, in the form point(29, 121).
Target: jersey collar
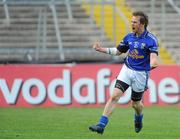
point(143, 35)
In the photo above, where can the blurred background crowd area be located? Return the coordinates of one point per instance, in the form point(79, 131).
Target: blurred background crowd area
point(63, 31)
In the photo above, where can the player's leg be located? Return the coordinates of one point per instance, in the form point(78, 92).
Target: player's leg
point(120, 87)
point(138, 108)
point(139, 85)
point(111, 103)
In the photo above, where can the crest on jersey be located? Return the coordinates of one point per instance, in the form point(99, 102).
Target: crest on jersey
point(136, 44)
point(130, 43)
point(143, 45)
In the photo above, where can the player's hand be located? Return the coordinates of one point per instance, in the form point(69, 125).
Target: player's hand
point(97, 46)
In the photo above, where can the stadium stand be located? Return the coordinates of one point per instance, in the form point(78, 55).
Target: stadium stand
point(31, 33)
point(51, 31)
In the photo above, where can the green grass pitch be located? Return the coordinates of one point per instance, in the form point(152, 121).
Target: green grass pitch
point(73, 123)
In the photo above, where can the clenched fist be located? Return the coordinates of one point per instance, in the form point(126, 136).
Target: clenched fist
point(97, 46)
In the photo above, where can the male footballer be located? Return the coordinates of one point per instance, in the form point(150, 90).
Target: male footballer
point(142, 49)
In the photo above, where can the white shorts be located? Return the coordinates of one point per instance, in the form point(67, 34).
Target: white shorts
point(137, 80)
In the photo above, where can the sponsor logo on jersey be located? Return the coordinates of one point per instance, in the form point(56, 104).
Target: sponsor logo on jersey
point(135, 54)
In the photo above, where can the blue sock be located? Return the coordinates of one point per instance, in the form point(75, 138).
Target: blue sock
point(138, 118)
point(103, 121)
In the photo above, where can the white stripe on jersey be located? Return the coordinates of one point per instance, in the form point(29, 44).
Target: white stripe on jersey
point(153, 37)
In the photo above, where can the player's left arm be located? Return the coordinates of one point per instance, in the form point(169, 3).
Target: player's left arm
point(154, 53)
point(153, 60)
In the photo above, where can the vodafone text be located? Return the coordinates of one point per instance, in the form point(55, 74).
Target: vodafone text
point(167, 90)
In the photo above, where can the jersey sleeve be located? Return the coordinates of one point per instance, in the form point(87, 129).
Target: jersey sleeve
point(123, 47)
point(154, 47)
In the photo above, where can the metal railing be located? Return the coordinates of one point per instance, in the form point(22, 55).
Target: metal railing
point(7, 17)
point(41, 31)
point(102, 3)
point(117, 13)
point(41, 44)
point(174, 5)
point(58, 33)
point(163, 11)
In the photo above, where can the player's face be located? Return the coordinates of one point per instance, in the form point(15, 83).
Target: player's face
point(136, 25)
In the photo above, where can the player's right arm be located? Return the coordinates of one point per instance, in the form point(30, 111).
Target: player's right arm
point(153, 60)
point(112, 51)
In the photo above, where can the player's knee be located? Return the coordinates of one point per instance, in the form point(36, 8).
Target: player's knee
point(115, 98)
point(137, 105)
point(116, 95)
point(134, 105)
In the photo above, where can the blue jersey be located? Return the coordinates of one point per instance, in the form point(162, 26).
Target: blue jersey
point(139, 49)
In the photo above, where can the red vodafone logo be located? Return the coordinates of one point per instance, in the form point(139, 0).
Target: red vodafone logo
point(79, 88)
